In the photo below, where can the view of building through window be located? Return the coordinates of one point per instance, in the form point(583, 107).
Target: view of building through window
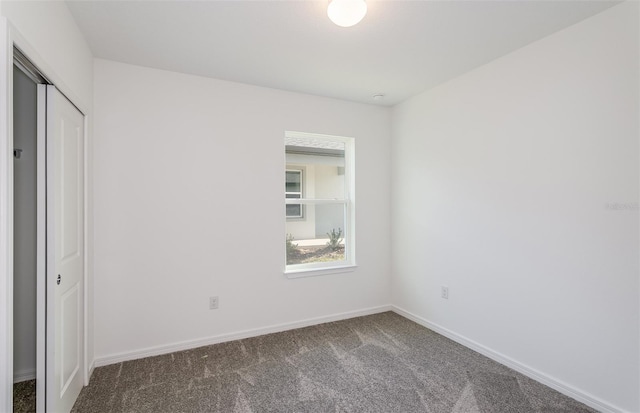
point(317, 197)
point(293, 190)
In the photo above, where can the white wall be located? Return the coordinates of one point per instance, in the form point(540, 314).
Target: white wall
point(176, 221)
point(505, 182)
point(47, 33)
point(56, 44)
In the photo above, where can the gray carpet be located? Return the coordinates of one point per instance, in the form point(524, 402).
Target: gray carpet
point(24, 397)
point(380, 363)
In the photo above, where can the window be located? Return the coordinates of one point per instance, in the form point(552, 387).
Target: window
point(319, 204)
point(293, 190)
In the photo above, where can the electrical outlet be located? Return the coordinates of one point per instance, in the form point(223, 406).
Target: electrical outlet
point(213, 303)
point(444, 292)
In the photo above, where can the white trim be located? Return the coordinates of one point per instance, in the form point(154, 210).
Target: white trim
point(556, 384)
point(85, 261)
point(295, 134)
point(314, 201)
point(23, 375)
point(6, 218)
point(312, 272)
point(92, 367)
point(301, 173)
point(190, 344)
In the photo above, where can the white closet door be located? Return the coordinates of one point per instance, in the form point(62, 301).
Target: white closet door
point(65, 252)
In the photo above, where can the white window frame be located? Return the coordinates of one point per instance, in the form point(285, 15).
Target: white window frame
point(301, 193)
point(349, 263)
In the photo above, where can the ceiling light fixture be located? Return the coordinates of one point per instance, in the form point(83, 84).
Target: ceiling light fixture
point(346, 13)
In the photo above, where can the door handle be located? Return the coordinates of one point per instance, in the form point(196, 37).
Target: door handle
point(59, 279)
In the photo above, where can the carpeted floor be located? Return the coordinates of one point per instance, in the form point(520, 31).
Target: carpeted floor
point(380, 363)
point(24, 397)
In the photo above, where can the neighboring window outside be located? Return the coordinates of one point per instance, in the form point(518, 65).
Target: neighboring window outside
point(319, 203)
point(293, 190)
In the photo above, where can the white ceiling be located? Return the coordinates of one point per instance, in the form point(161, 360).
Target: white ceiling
point(401, 48)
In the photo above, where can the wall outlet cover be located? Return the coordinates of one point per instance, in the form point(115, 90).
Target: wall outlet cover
point(444, 292)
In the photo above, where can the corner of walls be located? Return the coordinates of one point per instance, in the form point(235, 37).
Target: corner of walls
point(517, 186)
point(563, 387)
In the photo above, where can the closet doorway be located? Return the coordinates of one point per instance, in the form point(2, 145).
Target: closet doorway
point(48, 218)
point(25, 235)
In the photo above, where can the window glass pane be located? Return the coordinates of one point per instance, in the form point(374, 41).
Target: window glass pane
point(293, 182)
point(294, 211)
point(319, 237)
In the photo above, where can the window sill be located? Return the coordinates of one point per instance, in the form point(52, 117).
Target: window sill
point(313, 272)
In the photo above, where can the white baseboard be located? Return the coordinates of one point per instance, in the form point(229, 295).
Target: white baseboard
point(539, 376)
point(190, 344)
point(92, 367)
point(24, 375)
point(559, 385)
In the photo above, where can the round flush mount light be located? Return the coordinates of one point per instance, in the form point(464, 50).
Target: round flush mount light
point(346, 13)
